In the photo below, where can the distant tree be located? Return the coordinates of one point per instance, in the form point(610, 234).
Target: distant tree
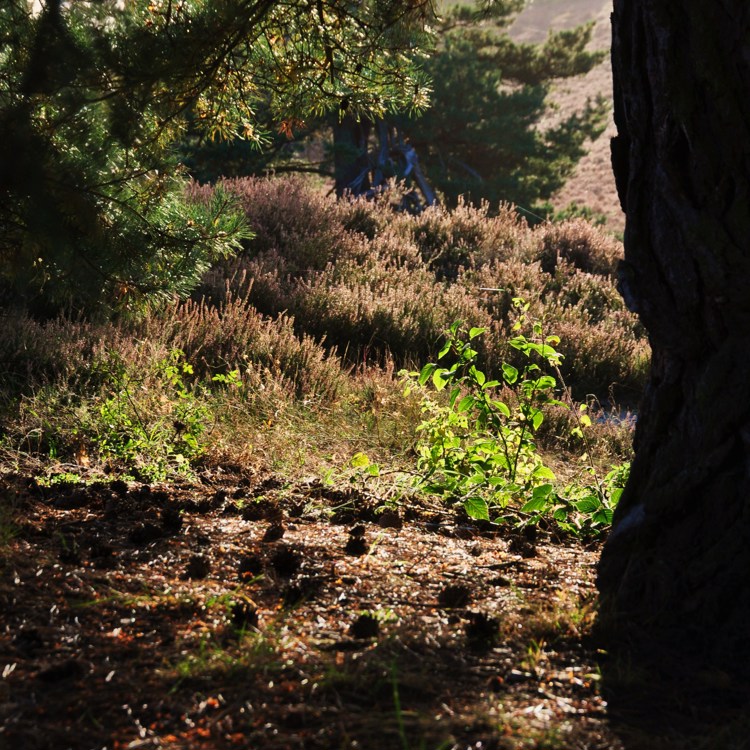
point(481, 137)
point(484, 135)
point(94, 95)
point(674, 571)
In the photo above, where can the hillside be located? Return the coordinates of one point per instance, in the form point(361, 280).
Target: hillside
point(593, 184)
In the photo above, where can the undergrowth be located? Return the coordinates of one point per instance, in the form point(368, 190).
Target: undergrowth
point(477, 444)
point(287, 360)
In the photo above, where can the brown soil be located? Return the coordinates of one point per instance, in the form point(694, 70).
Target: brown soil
point(248, 613)
point(244, 613)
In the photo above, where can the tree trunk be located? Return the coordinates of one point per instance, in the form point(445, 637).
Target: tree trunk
point(678, 559)
point(351, 144)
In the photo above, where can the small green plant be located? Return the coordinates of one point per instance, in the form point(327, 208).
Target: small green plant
point(476, 446)
point(155, 427)
point(477, 449)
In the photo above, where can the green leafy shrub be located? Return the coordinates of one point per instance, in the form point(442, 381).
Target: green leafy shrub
point(476, 445)
point(478, 449)
point(153, 423)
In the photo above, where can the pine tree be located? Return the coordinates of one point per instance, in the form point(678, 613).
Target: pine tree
point(94, 95)
point(482, 136)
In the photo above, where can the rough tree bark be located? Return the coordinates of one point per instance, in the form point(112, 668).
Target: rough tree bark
point(678, 559)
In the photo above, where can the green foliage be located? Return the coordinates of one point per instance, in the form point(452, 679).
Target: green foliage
point(483, 136)
point(476, 446)
point(93, 97)
point(154, 441)
point(584, 509)
point(490, 132)
point(478, 449)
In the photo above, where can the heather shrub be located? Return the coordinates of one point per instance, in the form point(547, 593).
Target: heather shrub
point(601, 352)
point(465, 236)
point(595, 295)
point(36, 353)
point(383, 308)
point(587, 247)
point(365, 217)
point(219, 339)
point(289, 218)
point(147, 394)
point(376, 284)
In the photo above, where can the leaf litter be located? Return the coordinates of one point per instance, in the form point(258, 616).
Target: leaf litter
point(243, 612)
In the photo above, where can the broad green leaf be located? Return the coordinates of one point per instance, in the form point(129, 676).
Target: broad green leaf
point(474, 332)
point(537, 419)
point(359, 460)
point(560, 514)
point(425, 373)
point(535, 505)
point(478, 375)
point(502, 408)
point(476, 507)
point(588, 504)
point(545, 382)
point(466, 403)
point(510, 373)
point(520, 342)
point(438, 380)
point(614, 496)
point(542, 491)
point(543, 472)
point(603, 516)
point(585, 420)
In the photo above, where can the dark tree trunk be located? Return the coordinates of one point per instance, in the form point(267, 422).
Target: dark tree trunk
point(678, 560)
point(351, 144)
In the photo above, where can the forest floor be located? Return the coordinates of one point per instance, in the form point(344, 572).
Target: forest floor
point(247, 613)
point(242, 612)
